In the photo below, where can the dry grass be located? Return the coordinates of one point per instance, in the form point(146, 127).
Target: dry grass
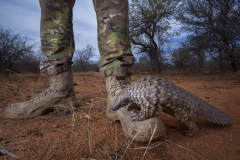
point(114, 145)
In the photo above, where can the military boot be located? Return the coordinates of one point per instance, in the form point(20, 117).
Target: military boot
point(60, 95)
point(143, 131)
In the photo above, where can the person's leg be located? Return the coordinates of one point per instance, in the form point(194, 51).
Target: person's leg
point(58, 45)
point(116, 66)
point(114, 45)
point(56, 33)
point(113, 38)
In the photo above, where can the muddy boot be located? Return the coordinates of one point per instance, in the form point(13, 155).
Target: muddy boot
point(143, 131)
point(60, 95)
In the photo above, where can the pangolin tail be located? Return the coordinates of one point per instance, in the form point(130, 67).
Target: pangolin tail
point(214, 115)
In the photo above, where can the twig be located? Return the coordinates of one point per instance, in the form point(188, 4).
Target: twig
point(157, 144)
point(185, 148)
point(153, 146)
point(46, 149)
point(87, 116)
point(116, 139)
point(13, 72)
point(73, 114)
point(92, 109)
point(8, 144)
point(54, 130)
point(89, 136)
point(130, 144)
point(8, 153)
point(11, 85)
point(160, 143)
point(154, 130)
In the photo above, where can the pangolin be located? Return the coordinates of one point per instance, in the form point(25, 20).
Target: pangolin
point(155, 94)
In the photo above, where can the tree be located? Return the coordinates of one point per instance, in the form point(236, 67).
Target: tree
point(219, 19)
point(82, 57)
point(12, 48)
point(142, 64)
point(198, 46)
point(29, 62)
point(182, 59)
point(149, 26)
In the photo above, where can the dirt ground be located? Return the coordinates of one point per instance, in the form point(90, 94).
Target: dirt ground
point(89, 135)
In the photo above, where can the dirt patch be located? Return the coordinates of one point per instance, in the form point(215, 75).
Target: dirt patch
point(88, 134)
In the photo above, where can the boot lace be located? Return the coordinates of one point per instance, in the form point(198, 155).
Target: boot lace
point(48, 91)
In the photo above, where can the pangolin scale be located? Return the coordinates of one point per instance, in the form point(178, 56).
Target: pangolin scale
point(155, 94)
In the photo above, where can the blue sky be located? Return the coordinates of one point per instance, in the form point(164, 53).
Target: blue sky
point(23, 16)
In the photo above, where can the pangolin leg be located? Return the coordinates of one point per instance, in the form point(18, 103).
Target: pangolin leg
point(140, 115)
point(136, 115)
point(191, 128)
point(183, 117)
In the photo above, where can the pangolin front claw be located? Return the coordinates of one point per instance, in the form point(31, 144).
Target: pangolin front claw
point(135, 116)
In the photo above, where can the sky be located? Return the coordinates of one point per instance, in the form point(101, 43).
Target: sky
point(23, 16)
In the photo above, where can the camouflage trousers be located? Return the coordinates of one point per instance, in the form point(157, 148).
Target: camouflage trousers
point(57, 39)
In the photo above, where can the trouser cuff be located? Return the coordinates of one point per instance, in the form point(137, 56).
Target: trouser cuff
point(117, 71)
point(51, 69)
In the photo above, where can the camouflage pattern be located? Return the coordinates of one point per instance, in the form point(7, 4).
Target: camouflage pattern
point(56, 33)
point(113, 36)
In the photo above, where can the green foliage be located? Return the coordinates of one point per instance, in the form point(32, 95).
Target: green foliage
point(149, 27)
point(217, 19)
point(182, 59)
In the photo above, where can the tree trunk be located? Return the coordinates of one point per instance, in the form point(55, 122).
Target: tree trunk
point(157, 64)
point(154, 50)
point(233, 63)
point(200, 64)
point(230, 52)
point(157, 67)
point(221, 61)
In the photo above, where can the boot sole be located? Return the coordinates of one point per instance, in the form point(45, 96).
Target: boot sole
point(140, 131)
point(60, 104)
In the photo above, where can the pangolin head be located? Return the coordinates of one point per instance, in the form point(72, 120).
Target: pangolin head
point(121, 101)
